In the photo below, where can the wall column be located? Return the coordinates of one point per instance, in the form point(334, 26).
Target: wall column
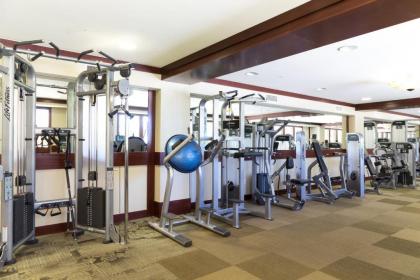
point(357, 122)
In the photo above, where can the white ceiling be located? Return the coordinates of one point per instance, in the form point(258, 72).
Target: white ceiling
point(390, 55)
point(149, 32)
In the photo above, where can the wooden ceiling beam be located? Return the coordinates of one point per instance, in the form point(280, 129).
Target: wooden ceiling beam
point(309, 26)
point(389, 105)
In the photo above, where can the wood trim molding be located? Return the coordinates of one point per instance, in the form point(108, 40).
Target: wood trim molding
point(94, 58)
point(309, 26)
point(221, 52)
point(46, 160)
point(402, 114)
point(283, 154)
point(51, 100)
point(390, 104)
point(280, 114)
point(277, 92)
point(62, 227)
point(151, 132)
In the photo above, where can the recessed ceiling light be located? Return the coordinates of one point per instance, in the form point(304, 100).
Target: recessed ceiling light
point(366, 98)
point(127, 46)
point(321, 89)
point(347, 48)
point(251, 73)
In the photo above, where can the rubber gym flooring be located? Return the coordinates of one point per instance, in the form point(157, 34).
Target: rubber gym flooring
point(378, 238)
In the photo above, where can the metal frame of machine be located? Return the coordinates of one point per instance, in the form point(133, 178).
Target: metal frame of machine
point(18, 152)
point(168, 220)
point(231, 214)
point(264, 134)
point(109, 88)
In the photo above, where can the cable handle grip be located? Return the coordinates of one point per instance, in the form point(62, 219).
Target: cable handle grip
point(128, 113)
point(177, 148)
point(38, 55)
point(113, 113)
point(39, 212)
point(56, 48)
point(82, 54)
point(24, 43)
point(114, 61)
point(246, 96)
point(55, 213)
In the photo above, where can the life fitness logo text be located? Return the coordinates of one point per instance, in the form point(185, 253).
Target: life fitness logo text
point(6, 110)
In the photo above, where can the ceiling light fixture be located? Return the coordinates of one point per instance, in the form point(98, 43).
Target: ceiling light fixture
point(321, 89)
point(347, 48)
point(366, 98)
point(127, 46)
point(251, 73)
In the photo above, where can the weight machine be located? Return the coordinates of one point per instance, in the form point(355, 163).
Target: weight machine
point(371, 134)
point(17, 170)
point(351, 172)
point(263, 176)
point(94, 207)
point(234, 148)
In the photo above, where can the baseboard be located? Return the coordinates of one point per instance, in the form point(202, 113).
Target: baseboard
point(50, 229)
point(181, 206)
point(62, 227)
point(119, 218)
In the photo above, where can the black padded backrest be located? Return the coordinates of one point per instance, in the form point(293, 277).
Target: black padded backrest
point(319, 156)
point(136, 144)
point(289, 163)
point(370, 166)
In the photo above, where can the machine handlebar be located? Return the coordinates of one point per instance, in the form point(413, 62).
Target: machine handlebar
point(177, 147)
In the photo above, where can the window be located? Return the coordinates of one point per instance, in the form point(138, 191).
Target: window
point(333, 135)
point(43, 117)
point(327, 135)
point(289, 130)
point(137, 126)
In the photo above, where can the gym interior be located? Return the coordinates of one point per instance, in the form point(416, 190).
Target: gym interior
point(210, 139)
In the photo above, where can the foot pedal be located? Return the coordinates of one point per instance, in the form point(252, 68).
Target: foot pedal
point(237, 201)
point(222, 231)
point(184, 241)
point(171, 216)
point(208, 210)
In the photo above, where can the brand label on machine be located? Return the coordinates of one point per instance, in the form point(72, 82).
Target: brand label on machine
point(6, 106)
point(4, 234)
point(110, 178)
point(8, 187)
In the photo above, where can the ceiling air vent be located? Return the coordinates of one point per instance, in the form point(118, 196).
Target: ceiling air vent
point(271, 98)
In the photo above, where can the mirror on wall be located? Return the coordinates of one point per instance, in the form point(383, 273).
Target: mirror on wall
point(56, 108)
point(54, 93)
point(327, 129)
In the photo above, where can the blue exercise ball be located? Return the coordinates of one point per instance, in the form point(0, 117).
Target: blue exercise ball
point(188, 159)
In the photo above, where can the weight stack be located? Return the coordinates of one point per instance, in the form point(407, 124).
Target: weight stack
point(91, 207)
point(29, 213)
point(229, 191)
point(23, 216)
point(263, 186)
point(18, 218)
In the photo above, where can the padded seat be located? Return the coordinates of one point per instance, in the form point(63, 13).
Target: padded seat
point(300, 181)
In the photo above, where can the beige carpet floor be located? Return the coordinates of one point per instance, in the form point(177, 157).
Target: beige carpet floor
point(374, 238)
